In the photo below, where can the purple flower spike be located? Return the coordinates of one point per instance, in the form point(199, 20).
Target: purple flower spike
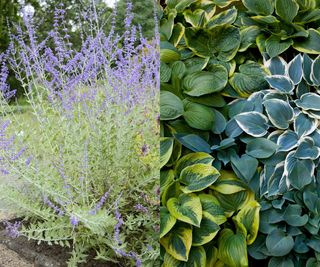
point(12, 229)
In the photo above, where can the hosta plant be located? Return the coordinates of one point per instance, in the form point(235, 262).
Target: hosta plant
point(207, 217)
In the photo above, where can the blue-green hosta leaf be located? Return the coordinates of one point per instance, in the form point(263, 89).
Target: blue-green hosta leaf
point(248, 216)
point(276, 182)
point(198, 116)
point(228, 183)
point(232, 129)
point(259, 7)
point(233, 248)
point(307, 149)
point(261, 148)
point(309, 101)
point(286, 9)
point(315, 74)
point(281, 83)
point(258, 249)
point(226, 17)
point(311, 44)
point(275, 46)
point(191, 159)
point(205, 233)
point(304, 125)
point(293, 217)
point(245, 166)
point(295, 69)
point(253, 123)
point(307, 68)
point(220, 122)
point(302, 89)
point(276, 66)
point(311, 200)
point(166, 146)
point(193, 142)
point(279, 243)
point(186, 208)
point(178, 241)
point(168, 53)
point(287, 141)
point(280, 262)
point(314, 243)
point(167, 221)
point(212, 209)
point(197, 177)
point(280, 113)
point(171, 106)
point(225, 143)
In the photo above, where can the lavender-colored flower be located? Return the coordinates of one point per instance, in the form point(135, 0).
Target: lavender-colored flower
point(139, 207)
point(74, 220)
point(12, 229)
point(144, 149)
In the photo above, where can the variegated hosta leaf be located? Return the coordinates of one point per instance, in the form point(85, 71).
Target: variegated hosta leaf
point(212, 256)
point(304, 125)
point(170, 191)
point(196, 18)
point(307, 149)
point(281, 83)
point(166, 25)
point(287, 141)
point(261, 148)
point(166, 178)
point(307, 68)
point(276, 66)
point(177, 33)
point(228, 183)
point(309, 101)
point(186, 208)
point(205, 233)
point(226, 17)
point(171, 106)
point(286, 9)
point(248, 37)
point(178, 241)
point(212, 209)
point(191, 159)
point(315, 74)
point(167, 221)
point(275, 46)
point(248, 216)
point(166, 146)
point(232, 202)
point(310, 44)
point(280, 113)
point(295, 69)
point(253, 123)
point(197, 177)
point(259, 7)
point(197, 258)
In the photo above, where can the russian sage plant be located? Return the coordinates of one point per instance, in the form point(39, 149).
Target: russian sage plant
point(83, 164)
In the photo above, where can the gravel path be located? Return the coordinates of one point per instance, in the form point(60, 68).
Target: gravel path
point(8, 258)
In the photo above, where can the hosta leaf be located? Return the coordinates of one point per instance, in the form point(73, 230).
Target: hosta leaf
point(286, 9)
point(186, 208)
point(287, 141)
point(275, 46)
point(295, 69)
point(226, 17)
point(279, 243)
point(281, 83)
point(212, 256)
point(167, 221)
point(212, 209)
point(170, 191)
point(248, 216)
point(233, 248)
point(205, 233)
point(225, 143)
point(220, 122)
point(315, 75)
point(304, 125)
point(280, 113)
point(292, 215)
point(280, 262)
point(248, 37)
point(309, 101)
point(215, 100)
point(261, 148)
point(314, 243)
point(259, 7)
point(197, 257)
point(178, 242)
point(277, 66)
point(165, 72)
point(170, 261)
point(167, 26)
point(253, 123)
point(196, 18)
point(193, 142)
point(203, 82)
point(307, 68)
point(198, 116)
point(168, 53)
point(228, 183)
point(307, 149)
point(195, 64)
point(311, 44)
point(198, 177)
point(232, 202)
point(245, 166)
point(183, 4)
point(166, 146)
point(177, 33)
point(171, 107)
point(166, 178)
point(232, 129)
point(265, 19)
point(191, 159)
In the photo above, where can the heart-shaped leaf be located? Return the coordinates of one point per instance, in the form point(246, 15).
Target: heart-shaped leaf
point(253, 123)
point(292, 215)
point(310, 45)
point(205, 233)
point(281, 83)
point(286, 9)
point(191, 159)
point(309, 101)
point(228, 183)
point(275, 46)
point(280, 113)
point(307, 149)
point(304, 125)
point(287, 141)
point(259, 7)
point(261, 148)
point(279, 243)
point(212, 209)
point(245, 167)
point(167, 221)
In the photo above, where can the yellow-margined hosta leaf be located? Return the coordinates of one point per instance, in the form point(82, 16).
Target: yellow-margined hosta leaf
point(170, 191)
point(167, 221)
point(166, 178)
point(212, 209)
point(212, 255)
point(191, 159)
point(198, 177)
point(177, 33)
point(178, 242)
point(186, 208)
point(205, 233)
point(228, 183)
point(166, 146)
point(196, 18)
point(197, 258)
point(248, 216)
point(232, 202)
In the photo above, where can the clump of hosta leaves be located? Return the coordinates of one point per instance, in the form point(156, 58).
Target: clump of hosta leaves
point(207, 217)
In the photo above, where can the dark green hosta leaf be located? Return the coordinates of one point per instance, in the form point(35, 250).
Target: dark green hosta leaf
point(315, 74)
point(280, 113)
point(311, 44)
point(186, 208)
point(167, 25)
point(203, 82)
point(309, 101)
point(165, 72)
point(197, 177)
point(179, 5)
point(281, 83)
point(307, 149)
point(293, 217)
point(171, 106)
point(177, 33)
point(269, 20)
point(279, 243)
point(195, 64)
point(226, 17)
point(167, 221)
point(220, 122)
point(212, 100)
point(196, 18)
point(198, 116)
point(248, 37)
point(253, 123)
point(280, 262)
point(168, 53)
point(166, 146)
point(259, 7)
point(245, 167)
point(205, 233)
point(166, 178)
point(261, 148)
point(287, 141)
point(212, 209)
point(304, 125)
point(170, 191)
point(275, 46)
point(178, 242)
point(286, 9)
point(193, 142)
point(295, 69)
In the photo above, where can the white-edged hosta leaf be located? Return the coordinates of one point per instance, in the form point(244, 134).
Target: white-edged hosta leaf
point(177, 33)
point(196, 18)
point(232, 129)
point(253, 123)
point(287, 141)
point(205, 233)
point(225, 17)
point(171, 106)
point(295, 69)
point(304, 125)
point(191, 159)
point(292, 215)
point(261, 148)
point(315, 74)
point(212, 209)
point(276, 66)
point(193, 142)
point(166, 146)
point(309, 101)
point(279, 243)
point(167, 221)
point(280, 113)
point(286, 9)
point(307, 68)
point(197, 177)
point(275, 46)
point(178, 241)
point(186, 208)
point(259, 7)
point(307, 149)
point(281, 83)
